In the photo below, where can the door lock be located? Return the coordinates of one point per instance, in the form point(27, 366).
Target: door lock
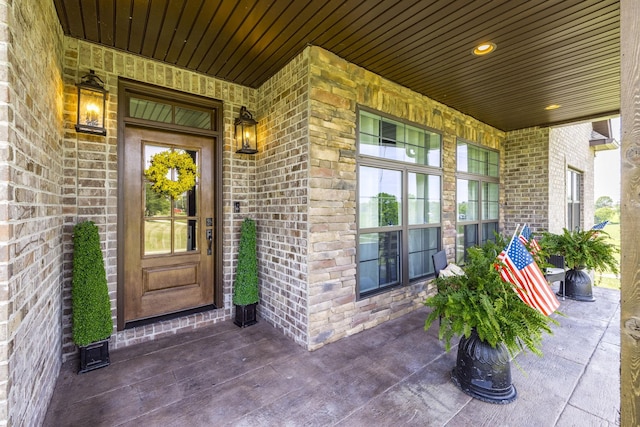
point(209, 241)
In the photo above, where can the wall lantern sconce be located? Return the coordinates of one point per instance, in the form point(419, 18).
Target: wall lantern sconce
point(92, 97)
point(246, 133)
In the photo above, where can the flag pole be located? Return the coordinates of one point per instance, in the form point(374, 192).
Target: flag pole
point(512, 237)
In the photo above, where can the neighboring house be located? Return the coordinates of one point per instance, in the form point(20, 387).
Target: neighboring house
point(357, 182)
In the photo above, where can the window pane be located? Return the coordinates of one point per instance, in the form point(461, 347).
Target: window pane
point(493, 165)
point(157, 236)
point(369, 124)
point(467, 192)
point(390, 139)
point(193, 118)
point(488, 230)
point(433, 150)
point(462, 157)
point(369, 145)
point(466, 237)
point(379, 260)
point(150, 110)
point(477, 160)
point(380, 193)
point(490, 204)
point(424, 198)
point(573, 199)
point(423, 243)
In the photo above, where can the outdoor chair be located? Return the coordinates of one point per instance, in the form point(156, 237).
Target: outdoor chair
point(557, 272)
point(439, 261)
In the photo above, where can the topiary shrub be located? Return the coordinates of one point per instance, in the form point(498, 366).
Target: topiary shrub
point(245, 286)
point(91, 315)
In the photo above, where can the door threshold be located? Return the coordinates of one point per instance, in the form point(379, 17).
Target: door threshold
point(170, 316)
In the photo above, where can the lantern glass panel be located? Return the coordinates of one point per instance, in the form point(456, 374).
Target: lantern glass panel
point(90, 111)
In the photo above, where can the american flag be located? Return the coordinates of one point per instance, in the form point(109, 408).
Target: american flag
point(600, 225)
point(525, 237)
point(529, 282)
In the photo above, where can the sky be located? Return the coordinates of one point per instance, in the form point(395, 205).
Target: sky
point(607, 169)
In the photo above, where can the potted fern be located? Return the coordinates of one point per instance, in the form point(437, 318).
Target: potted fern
point(91, 308)
point(493, 322)
point(583, 250)
point(245, 287)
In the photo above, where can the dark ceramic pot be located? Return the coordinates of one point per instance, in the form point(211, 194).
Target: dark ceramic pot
point(484, 372)
point(577, 285)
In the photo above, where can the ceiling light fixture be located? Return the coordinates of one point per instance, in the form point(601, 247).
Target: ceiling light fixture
point(484, 48)
point(552, 107)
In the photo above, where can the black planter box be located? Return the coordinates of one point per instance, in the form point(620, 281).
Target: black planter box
point(246, 315)
point(94, 356)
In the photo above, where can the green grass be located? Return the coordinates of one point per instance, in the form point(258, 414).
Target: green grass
point(608, 279)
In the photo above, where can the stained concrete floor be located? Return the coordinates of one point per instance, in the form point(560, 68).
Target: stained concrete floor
point(393, 375)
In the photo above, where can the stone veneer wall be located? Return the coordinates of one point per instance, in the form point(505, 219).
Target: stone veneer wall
point(569, 148)
point(31, 167)
point(91, 181)
point(337, 88)
point(282, 179)
point(526, 176)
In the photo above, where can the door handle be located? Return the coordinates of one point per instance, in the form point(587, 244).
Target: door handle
point(209, 241)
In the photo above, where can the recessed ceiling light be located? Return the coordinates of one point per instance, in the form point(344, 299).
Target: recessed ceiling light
point(552, 107)
point(484, 48)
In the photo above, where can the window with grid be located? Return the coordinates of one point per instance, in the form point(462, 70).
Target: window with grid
point(574, 189)
point(477, 194)
point(399, 202)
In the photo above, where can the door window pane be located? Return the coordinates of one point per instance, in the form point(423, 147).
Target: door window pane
point(380, 193)
point(193, 118)
point(146, 109)
point(156, 204)
point(157, 236)
point(170, 224)
point(184, 235)
point(150, 110)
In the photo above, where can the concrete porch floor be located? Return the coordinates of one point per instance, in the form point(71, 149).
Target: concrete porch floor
point(393, 375)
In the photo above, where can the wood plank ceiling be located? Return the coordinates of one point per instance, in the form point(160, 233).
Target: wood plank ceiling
point(564, 52)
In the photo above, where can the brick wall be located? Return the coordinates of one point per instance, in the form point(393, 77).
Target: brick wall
point(336, 89)
point(526, 175)
point(30, 209)
point(569, 148)
point(91, 181)
point(281, 187)
point(535, 169)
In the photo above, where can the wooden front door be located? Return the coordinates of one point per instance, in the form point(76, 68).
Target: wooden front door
point(168, 252)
